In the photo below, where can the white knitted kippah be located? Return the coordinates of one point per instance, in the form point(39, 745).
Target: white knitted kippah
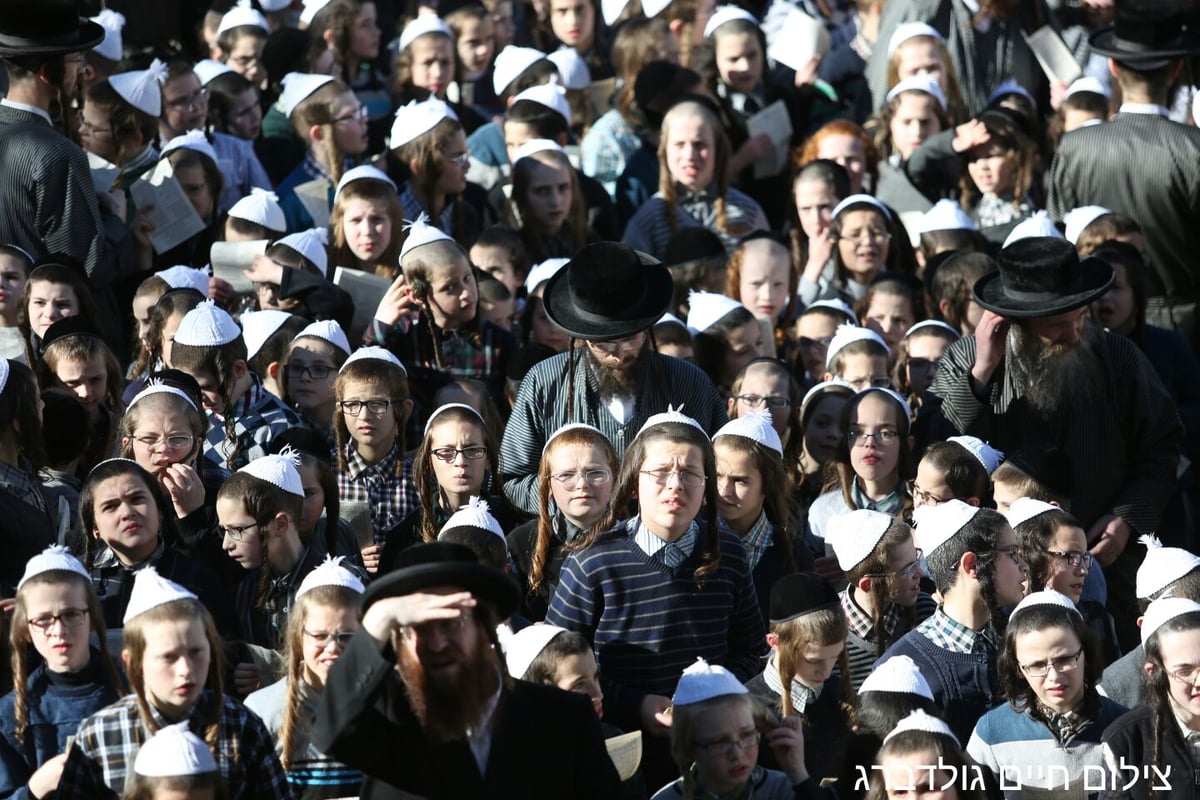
point(330, 572)
point(848, 334)
point(376, 353)
point(706, 309)
point(262, 208)
point(329, 331)
point(447, 407)
point(417, 118)
point(475, 514)
point(1161, 567)
point(151, 590)
point(280, 469)
point(421, 233)
point(987, 455)
point(207, 325)
point(935, 525)
point(1024, 509)
point(897, 674)
point(158, 386)
point(1162, 611)
point(755, 426)
point(921, 721)
point(54, 558)
point(181, 277)
point(855, 535)
point(526, 645)
point(1046, 597)
point(703, 681)
point(173, 752)
point(142, 88)
point(672, 414)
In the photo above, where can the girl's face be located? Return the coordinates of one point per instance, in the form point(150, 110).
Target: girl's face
point(905, 580)
point(244, 119)
point(722, 765)
point(453, 293)
point(64, 648)
point(766, 383)
point(432, 63)
point(824, 429)
point(739, 60)
point(142, 304)
point(1005, 495)
point(184, 103)
point(863, 243)
point(455, 162)
point(1062, 577)
point(1114, 308)
point(350, 125)
point(579, 673)
point(87, 380)
point(195, 185)
point(930, 487)
point(174, 664)
point(460, 475)
point(573, 22)
point(848, 151)
point(377, 432)
point(743, 344)
point(170, 325)
point(1180, 652)
point(889, 315)
point(322, 626)
point(314, 499)
point(915, 120)
point(873, 460)
point(580, 500)
point(764, 282)
point(816, 663)
point(740, 489)
point(543, 331)
point(991, 169)
point(814, 332)
point(367, 228)
point(924, 353)
point(1053, 647)
point(48, 303)
point(670, 487)
point(12, 286)
point(915, 776)
point(96, 134)
point(170, 436)
point(364, 34)
point(311, 356)
point(244, 547)
point(920, 56)
point(475, 48)
point(549, 195)
point(815, 200)
point(126, 517)
point(691, 152)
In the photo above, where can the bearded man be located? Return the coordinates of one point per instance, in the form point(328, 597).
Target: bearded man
point(608, 299)
point(1038, 371)
point(421, 703)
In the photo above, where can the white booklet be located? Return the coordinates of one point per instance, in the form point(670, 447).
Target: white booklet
point(314, 196)
point(229, 259)
point(799, 39)
point(175, 219)
point(104, 172)
point(1053, 55)
point(366, 290)
point(775, 123)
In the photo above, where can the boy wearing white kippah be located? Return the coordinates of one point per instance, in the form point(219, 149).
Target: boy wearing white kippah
point(174, 764)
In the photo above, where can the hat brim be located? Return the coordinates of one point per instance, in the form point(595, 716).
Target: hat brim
point(486, 583)
point(1105, 42)
point(559, 308)
point(1094, 278)
point(88, 36)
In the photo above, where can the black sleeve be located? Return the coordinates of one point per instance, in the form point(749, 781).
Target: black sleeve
point(933, 167)
point(320, 298)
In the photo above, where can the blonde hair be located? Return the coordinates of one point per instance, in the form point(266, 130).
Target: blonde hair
point(317, 109)
point(163, 402)
point(392, 380)
point(820, 628)
point(377, 191)
point(953, 90)
point(685, 724)
point(721, 155)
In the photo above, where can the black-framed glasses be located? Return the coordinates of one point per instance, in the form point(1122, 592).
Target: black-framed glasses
point(352, 408)
point(322, 639)
point(318, 372)
point(1013, 551)
point(358, 115)
point(812, 344)
point(592, 477)
point(193, 100)
point(924, 364)
point(177, 441)
point(1059, 665)
point(727, 747)
point(448, 454)
point(923, 497)
point(880, 438)
point(686, 477)
point(69, 617)
point(1073, 558)
point(236, 532)
point(906, 572)
point(759, 401)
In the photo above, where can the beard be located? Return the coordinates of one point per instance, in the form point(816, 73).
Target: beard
point(616, 381)
point(1053, 377)
point(447, 706)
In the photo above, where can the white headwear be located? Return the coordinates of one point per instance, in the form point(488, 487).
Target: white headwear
point(550, 95)
point(855, 535)
point(1077, 219)
point(142, 88)
point(280, 470)
point(858, 200)
point(987, 455)
point(158, 386)
point(193, 140)
point(1036, 225)
point(526, 645)
point(1008, 87)
point(151, 590)
point(922, 721)
point(611, 9)
point(933, 323)
point(671, 415)
point(919, 83)
point(543, 272)
point(1162, 611)
point(257, 327)
point(423, 25)
point(328, 330)
point(208, 69)
point(242, 15)
point(55, 558)
point(911, 30)
point(113, 23)
point(181, 277)
point(702, 681)
point(207, 325)
point(905, 408)
point(310, 244)
point(330, 572)
point(946, 215)
point(274, 5)
point(1024, 509)
point(1046, 597)
point(475, 514)
point(297, 86)
point(819, 388)
point(572, 426)
point(1161, 567)
point(262, 208)
point(573, 72)
point(938, 524)
point(173, 752)
point(363, 172)
point(510, 63)
point(836, 304)
point(376, 353)
point(421, 233)
point(1087, 84)
point(898, 674)
point(846, 335)
point(706, 309)
point(531, 147)
point(724, 14)
point(755, 426)
point(3, 373)
point(311, 7)
point(446, 407)
point(417, 118)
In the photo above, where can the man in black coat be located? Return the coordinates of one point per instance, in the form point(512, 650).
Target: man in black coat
point(420, 700)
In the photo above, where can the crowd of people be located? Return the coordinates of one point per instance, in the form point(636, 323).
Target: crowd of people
point(787, 399)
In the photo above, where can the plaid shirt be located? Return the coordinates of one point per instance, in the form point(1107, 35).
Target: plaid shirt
point(860, 621)
point(608, 145)
point(952, 635)
point(22, 482)
point(413, 209)
point(264, 625)
point(758, 539)
point(107, 742)
point(389, 496)
point(475, 352)
point(258, 417)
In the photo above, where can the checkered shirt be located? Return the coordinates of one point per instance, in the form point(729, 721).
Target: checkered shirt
point(391, 497)
point(257, 417)
point(952, 635)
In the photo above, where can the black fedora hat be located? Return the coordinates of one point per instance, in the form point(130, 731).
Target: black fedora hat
point(1042, 276)
point(436, 564)
point(1146, 34)
point(45, 28)
point(608, 291)
point(69, 326)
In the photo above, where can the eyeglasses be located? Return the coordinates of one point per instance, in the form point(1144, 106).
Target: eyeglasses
point(236, 532)
point(177, 441)
point(907, 571)
point(69, 617)
point(727, 747)
point(1188, 675)
point(352, 408)
point(592, 477)
point(461, 160)
point(90, 129)
point(886, 436)
point(924, 364)
point(358, 115)
point(322, 639)
point(758, 401)
point(193, 100)
point(870, 234)
point(318, 372)
point(814, 344)
point(1013, 551)
point(687, 478)
point(634, 342)
point(445, 627)
point(1073, 558)
point(1059, 665)
point(472, 453)
point(923, 497)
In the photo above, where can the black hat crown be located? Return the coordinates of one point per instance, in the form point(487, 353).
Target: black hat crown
point(1042, 276)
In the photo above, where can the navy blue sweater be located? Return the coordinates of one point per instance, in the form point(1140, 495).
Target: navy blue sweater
point(647, 622)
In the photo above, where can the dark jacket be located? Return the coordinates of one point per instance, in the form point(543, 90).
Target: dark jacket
point(1131, 742)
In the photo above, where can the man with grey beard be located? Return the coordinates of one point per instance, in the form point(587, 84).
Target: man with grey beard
point(1038, 371)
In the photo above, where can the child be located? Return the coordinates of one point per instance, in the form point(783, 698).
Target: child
point(950, 289)
point(949, 471)
point(496, 303)
point(67, 681)
point(256, 216)
point(883, 599)
point(917, 49)
point(997, 178)
point(66, 436)
point(197, 168)
point(173, 763)
point(813, 333)
point(915, 110)
point(863, 250)
point(765, 385)
point(546, 207)
point(475, 47)
point(119, 121)
point(149, 292)
point(727, 337)
point(1040, 472)
point(22, 454)
point(535, 326)
point(715, 733)
point(816, 190)
point(365, 222)
point(1085, 102)
point(53, 291)
point(15, 264)
point(501, 253)
point(326, 613)
point(944, 229)
point(309, 369)
point(234, 106)
point(822, 431)
point(243, 417)
point(857, 357)
point(353, 36)
point(892, 304)
point(267, 335)
point(761, 276)
point(241, 36)
point(173, 657)
point(693, 155)
point(921, 756)
point(429, 149)
point(426, 64)
point(576, 474)
point(919, 353)
point(291, 276)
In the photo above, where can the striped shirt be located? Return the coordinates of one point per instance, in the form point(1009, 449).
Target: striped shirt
point(650, 228)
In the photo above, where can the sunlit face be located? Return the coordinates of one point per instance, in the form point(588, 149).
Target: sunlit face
point(307, 391)
point(96, 134)
point(322, 624)
point(453, 178)
point(904, 588)
point(863, 243)
point(718, 727)
point(848, 151)
point(87, 380)
point(582, 501)
point(863, 370)
point(743, 344)
point(875, 461)
point(432, 63)
point(12, 286)
point(1180, 652)
point(497, 262)
point(740, 488)
point(453, 293)
point(766, 271)
point(475, 49)
point(1005, 495)
point(916, 776)
point(375, 432)
point(515, 135)
point(184, 104)
point(461, 476)
point(765, 382)
point(350, 125)
point(667, 509)
point(924, 355)
point(195, 185)
point(174, 665)
point(739, 60)
point(364, 34)
point(162, 425)
point(815, 200)
point(245, 58)
point(691, 152)
point(920, 56)
point(48, 303)
point(548, 200)
point(64, 648)
point(367, 228)
point(579, 673)
point(142, 304)
point(1115, 307)
point(992, 170)
point(824, 429)
point(1010, 571)
point(816, 663)
point(244, 118)
point(1061, 576)
point(1059, 691)
point(889, 315)
point(573, 22)
point(246, 548)
point(930, 487)
point(915, 120)
point(126, 517)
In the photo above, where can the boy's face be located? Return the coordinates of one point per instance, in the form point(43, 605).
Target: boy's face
point(515, 135)
point(579, 673)
point(496, 261)
point(498, 313)
point(245, 58)
point(241, 534)
point(210, 390)
point(1005, 495)
point(863, 370)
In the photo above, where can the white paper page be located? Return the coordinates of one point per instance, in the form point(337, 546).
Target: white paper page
point(175, 219)
point(366, 290)
point(1053, 55)
point(799, 39)
point(314, 196)
point(104, 172)
point(775, 123)
point(230, 258)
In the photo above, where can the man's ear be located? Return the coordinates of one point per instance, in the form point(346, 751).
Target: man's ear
point(969, 564)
